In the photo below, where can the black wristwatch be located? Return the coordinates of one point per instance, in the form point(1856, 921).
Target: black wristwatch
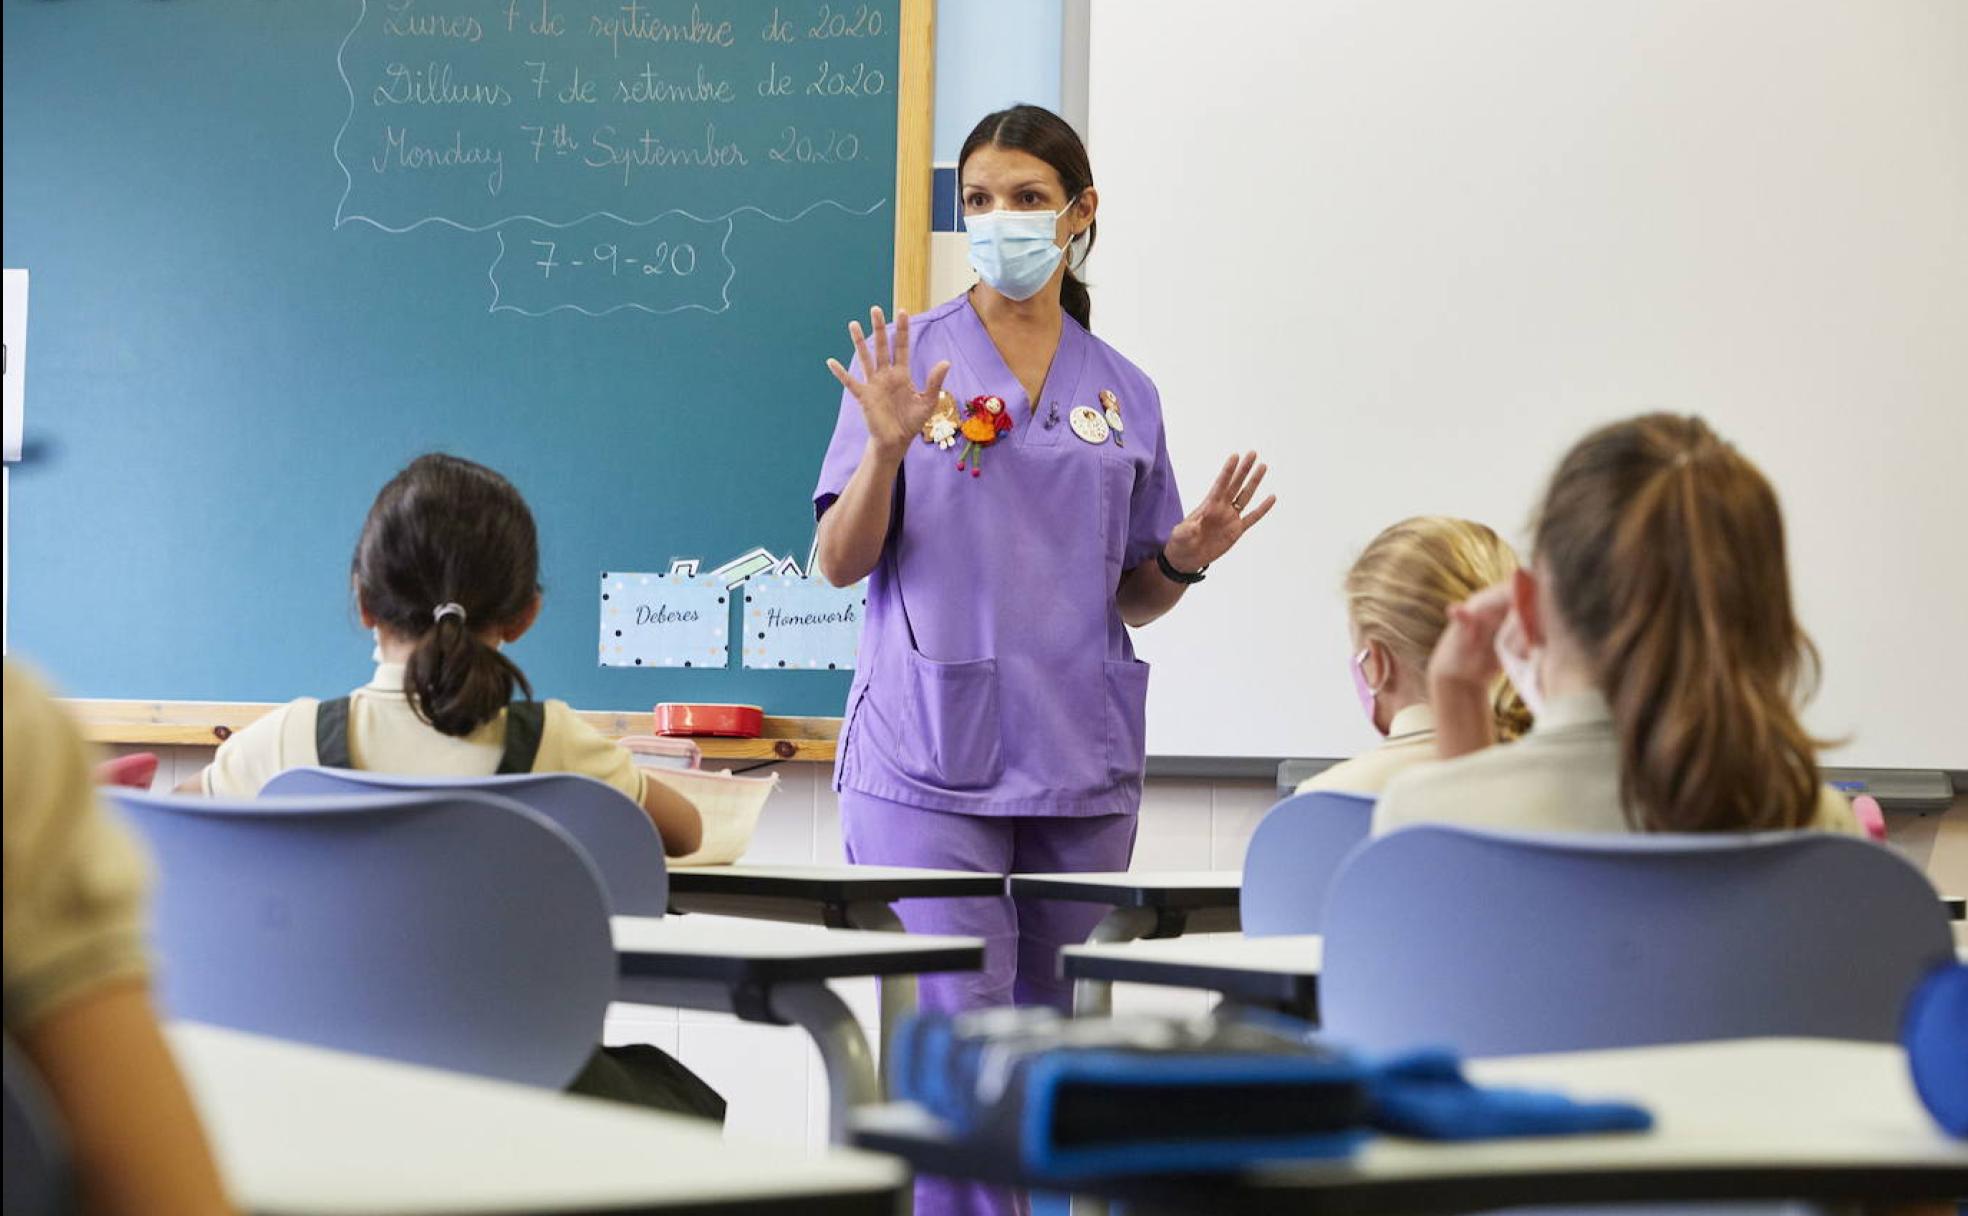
point(1172, 574)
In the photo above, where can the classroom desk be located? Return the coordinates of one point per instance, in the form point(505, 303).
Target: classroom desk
point(778, 974)
point(1272, 972)
point(1816, 1119)
point(1147, 904)
point(839, 897)
point(303, 1130)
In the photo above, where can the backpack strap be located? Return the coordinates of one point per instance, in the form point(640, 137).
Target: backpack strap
point(331, 744)
point(526, 722)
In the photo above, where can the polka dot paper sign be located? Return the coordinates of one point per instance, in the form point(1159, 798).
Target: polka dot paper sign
point(664, 620)
point(802, 624)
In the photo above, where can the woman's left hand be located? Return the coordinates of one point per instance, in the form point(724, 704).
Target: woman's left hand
point(1220, 519)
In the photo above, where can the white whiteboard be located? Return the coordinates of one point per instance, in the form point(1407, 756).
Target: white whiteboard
point(1412, 249)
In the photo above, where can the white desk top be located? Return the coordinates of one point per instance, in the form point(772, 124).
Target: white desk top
point(1296, 954)
point(1781, 1102)
point(1749, 1118)
point(840, 873)
point(1158, 880)
point(732, 937)
point(300, 1129)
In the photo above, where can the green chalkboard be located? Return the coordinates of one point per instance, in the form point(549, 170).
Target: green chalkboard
point(280, 247)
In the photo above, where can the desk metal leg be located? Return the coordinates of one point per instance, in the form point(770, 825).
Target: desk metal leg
point(898, 992)
point(820, 1012)
point(1095, 998)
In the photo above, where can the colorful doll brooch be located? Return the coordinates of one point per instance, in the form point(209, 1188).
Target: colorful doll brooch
point(988, 419)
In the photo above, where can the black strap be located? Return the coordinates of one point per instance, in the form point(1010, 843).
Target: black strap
point(331, 745)
point(526, 722)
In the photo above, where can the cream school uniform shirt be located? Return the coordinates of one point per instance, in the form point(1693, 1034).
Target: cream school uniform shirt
point(385, 735)
point(1562, 777)
point(1410, 741)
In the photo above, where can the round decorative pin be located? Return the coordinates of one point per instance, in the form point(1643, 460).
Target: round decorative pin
point(1089, 425)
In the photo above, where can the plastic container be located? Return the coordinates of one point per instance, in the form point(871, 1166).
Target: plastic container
point(652, 751)
point(722, 721)
point(730, 807)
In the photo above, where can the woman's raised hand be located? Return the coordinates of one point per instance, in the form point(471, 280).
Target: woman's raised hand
point(1222, 518)
point(894, 409)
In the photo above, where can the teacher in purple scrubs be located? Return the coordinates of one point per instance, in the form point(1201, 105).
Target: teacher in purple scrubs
point(1001, 478)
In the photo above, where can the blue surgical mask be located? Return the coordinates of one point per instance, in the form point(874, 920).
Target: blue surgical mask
point(1014, 251)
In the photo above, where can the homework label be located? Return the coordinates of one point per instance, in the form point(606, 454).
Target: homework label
point(802, 624)
point(663, 620)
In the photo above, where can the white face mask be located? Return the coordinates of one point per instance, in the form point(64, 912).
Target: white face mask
point(1519, 660)
point(1015, 251)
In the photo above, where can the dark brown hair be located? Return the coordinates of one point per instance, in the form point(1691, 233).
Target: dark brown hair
point(1665, 551)
point(447, 531)
point(1049, 137)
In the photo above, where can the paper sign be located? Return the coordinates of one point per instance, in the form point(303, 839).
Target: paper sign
point(803, 624)
point(15, 354)
point(664, 620)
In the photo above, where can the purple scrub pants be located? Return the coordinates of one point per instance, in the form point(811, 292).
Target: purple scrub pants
point(1022, 936)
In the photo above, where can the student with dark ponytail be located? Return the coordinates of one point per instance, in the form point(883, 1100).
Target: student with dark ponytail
point(446, 572)
point(1653, 639)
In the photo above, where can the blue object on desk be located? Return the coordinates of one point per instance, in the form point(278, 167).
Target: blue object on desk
point(1936, 1038)
point(1425, 1095)
point(1143, 1096)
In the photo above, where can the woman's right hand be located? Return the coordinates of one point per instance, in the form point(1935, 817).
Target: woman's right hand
point(893, 408)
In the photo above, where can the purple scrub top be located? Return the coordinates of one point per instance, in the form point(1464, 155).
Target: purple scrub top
point(995, 675)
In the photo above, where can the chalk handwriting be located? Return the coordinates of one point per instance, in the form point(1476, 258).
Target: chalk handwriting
point(434, 85)
point(404, 21)
point(399, 152)
point(634, 23)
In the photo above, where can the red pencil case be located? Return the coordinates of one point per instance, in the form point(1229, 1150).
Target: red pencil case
point(723, 721)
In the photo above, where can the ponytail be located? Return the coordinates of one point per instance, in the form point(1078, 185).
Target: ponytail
point(1076, 299)
point(449, 548)
point(1401, 587)
point(1665, 547)
point(455, 681)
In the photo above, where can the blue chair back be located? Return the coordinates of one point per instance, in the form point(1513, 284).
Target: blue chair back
point(1496, 943)
point(37, 1181)
point(459, 931)
point(616, 833)
point(1293, 856)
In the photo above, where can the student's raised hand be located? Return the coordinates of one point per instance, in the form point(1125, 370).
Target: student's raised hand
point(1220, 519)
point(891, 404)
point(1465, 656)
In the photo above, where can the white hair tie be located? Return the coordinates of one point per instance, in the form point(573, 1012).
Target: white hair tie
point(444, 610)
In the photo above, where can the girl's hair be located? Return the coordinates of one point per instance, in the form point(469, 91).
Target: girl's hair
point(1052, 139)
point(1401, 588)
point(447, 531)
point(1664, 549)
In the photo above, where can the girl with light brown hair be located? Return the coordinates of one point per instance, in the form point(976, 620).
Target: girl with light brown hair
point(1655, 641)
point(1398, 596)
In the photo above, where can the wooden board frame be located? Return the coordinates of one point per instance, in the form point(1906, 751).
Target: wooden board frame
point(915, 117)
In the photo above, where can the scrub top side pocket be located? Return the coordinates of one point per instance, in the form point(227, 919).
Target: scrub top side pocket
point(953, 738)
point(1127, 719)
